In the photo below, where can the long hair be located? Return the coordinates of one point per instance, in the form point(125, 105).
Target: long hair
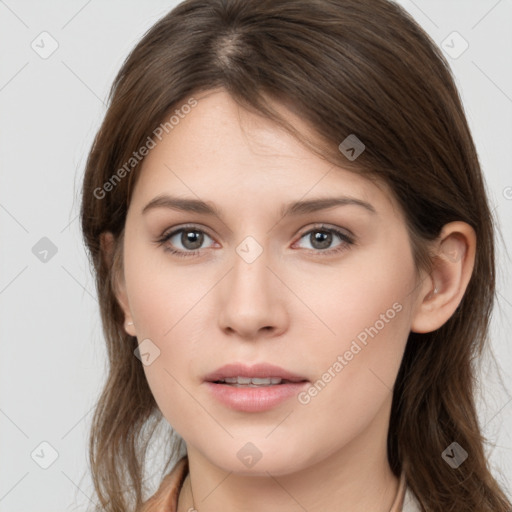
point(360, 67)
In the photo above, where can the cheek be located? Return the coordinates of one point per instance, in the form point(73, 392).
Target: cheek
point(161, 292)
point(169, 310)
point(367, 309)
point(369, 291)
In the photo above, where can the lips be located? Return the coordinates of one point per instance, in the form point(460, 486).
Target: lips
point(253, 389)
point(263, 374)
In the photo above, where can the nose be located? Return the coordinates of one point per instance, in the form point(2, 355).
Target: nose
point(252, 300)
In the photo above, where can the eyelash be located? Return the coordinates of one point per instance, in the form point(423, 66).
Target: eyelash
point(346, 240)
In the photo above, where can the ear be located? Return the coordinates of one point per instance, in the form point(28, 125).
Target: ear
point(112, 260)
point(452, 266)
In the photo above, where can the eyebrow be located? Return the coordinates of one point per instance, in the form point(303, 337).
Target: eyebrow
point(294, 208)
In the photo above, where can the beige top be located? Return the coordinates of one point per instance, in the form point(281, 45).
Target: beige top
point(166, 498)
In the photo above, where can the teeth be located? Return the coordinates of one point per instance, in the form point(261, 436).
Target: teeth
point(248, 381)
point(270, 380)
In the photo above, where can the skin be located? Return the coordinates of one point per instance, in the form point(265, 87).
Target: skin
point(293, 306)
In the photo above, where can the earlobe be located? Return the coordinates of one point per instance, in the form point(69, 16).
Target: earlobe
point(108, 250)
point(122, 298)
point(452, 265)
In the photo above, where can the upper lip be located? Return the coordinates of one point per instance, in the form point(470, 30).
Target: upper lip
point(261, 370)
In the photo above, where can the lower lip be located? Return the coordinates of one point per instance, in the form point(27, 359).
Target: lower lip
point(254, 399)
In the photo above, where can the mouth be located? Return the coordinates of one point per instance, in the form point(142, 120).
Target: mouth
point(254, 382)
point(253, 389)
point(259, 375)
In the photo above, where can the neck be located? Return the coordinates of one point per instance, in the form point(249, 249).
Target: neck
point(354, 478)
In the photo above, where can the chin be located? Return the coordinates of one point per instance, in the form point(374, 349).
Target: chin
point(262, 456)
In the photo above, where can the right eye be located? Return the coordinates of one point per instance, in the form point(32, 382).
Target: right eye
point(191, 239)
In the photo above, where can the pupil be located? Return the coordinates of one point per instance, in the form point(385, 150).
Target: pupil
point(321, 239)
point(194, 238)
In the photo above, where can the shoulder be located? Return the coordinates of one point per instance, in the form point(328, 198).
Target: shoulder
point(166, 497)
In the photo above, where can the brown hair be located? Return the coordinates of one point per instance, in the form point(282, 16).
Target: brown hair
point(359, 67)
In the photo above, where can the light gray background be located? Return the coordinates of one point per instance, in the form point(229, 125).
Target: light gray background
point(53, 362)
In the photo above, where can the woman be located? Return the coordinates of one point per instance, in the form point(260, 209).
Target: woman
point(295, 263)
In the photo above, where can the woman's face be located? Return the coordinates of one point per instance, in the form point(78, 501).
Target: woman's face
point(326, 295)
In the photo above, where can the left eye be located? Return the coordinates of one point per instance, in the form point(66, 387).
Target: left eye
point(322, 238)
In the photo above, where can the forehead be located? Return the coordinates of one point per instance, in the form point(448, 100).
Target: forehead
point(219, 151)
